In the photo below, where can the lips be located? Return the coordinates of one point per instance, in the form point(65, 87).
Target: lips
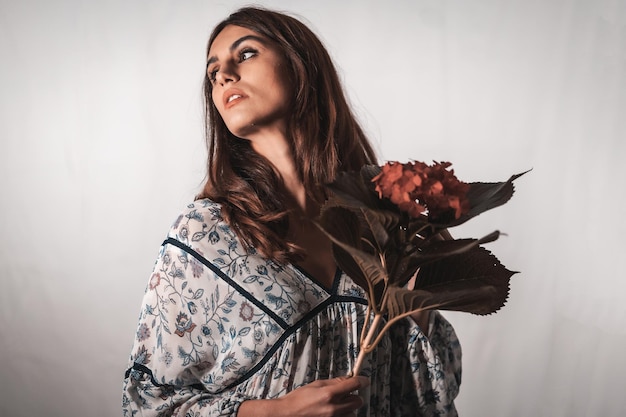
point(232, 96)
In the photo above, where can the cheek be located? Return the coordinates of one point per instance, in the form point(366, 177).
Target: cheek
point(216, 101)
point(285, 83)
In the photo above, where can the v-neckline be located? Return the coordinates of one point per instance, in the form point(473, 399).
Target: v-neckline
point(310, 277)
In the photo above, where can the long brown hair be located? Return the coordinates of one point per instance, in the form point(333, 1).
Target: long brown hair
point(326, 139)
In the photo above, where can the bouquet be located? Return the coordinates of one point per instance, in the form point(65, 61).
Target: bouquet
point(389, 226)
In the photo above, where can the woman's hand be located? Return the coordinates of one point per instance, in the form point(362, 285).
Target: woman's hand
point(323, 398)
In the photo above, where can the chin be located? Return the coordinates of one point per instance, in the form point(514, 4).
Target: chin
point(246, 128)
point(242, 132)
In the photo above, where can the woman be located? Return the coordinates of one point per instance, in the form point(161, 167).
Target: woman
point(246, 312)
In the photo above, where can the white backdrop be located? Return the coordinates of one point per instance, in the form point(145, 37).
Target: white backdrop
point(101, 146)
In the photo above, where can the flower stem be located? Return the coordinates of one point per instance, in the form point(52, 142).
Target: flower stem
point(365, 347)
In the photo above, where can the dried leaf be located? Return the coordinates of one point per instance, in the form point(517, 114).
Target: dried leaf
point(365, 270)
point(378, 223)
point(473, 281)
point(441, 249)
point(484, 196)
point(402, 268)
point(368, 172)
point(351, 192)
point(343, 223)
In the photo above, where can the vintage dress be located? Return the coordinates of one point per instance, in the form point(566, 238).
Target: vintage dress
point(219, 326)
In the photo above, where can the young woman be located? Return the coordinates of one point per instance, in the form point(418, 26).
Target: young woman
point(246, 312)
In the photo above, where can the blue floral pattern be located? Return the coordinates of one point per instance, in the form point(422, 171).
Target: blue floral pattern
point(220, 325)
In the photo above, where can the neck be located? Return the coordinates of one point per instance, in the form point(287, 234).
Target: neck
point(277, 150)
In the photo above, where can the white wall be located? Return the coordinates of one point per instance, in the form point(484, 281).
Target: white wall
point(101, 146)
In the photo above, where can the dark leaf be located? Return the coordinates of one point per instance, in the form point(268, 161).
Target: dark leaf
point(348, 265)
point(364, 269)
point(484, 196)
point(475, 299)
point(343, 224)
point(420, 226)
point(473, 281)
point(340, 198)
point(430, 251)
point(438, 250)
point(368, 172)
point(353, 190)
point(378, 223)
point(401, 268)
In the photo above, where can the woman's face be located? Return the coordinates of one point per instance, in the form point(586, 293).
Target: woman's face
point(250, 82)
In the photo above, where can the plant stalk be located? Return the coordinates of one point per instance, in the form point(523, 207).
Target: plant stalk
point(365, 345)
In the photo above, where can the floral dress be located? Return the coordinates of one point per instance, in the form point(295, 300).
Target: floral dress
point(220, 325)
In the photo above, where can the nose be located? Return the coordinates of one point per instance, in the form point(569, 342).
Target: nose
point(227, 73)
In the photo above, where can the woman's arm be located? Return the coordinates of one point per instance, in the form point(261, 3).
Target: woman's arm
point(180, 340)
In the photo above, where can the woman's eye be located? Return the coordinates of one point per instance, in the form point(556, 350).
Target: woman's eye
point(247, 54)
point(212, 75)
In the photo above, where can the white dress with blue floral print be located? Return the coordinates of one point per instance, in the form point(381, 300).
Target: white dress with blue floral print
point(220, 325)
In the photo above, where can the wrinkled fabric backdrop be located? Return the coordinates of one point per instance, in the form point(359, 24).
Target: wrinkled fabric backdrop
point(102, 145)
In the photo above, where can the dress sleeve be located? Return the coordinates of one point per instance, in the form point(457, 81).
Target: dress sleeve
point(189, 353)
point(427, 369)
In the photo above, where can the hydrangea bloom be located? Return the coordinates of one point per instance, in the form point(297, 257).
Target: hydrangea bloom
point(421, 189)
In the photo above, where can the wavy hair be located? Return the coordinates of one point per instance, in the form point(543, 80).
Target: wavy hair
point(326, 139)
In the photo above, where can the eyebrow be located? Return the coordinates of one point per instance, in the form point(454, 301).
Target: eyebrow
point(236, 44)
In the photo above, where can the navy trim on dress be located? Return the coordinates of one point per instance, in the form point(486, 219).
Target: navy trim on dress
point(281, 322)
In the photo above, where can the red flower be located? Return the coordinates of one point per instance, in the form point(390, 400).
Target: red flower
point(420, 189)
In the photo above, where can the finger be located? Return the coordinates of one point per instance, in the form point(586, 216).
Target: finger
point(318, 383)
point(349, 404)
point(345, 385)
point(357, 382)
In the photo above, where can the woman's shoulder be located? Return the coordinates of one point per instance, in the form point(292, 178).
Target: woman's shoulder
point(199, 220)
point(201, 231)
point(200, 228)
